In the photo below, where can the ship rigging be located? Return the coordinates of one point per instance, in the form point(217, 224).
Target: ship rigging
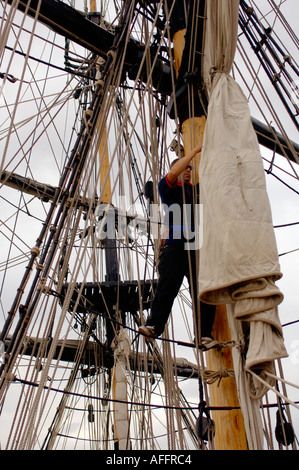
point(96, 102)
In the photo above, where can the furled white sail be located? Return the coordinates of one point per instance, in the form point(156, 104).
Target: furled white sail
point(119, 378)
point(238, 260)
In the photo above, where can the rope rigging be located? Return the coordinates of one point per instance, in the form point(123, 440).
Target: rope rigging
point(56, 311)
point(267, 40)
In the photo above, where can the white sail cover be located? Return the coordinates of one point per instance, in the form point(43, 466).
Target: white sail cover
point(238, 259)
point(122, 348)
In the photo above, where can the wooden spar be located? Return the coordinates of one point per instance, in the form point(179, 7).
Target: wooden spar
point(229, 425)
point(178, 48)
point(105, 183)
point(230, 431)
point(192, 131)
point(93, 6)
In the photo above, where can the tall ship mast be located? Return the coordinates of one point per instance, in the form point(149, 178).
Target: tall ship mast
point(97, 99)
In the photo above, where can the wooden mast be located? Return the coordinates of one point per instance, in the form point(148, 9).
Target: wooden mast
point(229, 425)
point(116, 338)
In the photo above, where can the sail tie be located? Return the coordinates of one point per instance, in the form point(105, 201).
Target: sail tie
point(214, 70)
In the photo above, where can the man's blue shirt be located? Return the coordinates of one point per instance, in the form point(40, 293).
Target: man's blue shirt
point(179, 202)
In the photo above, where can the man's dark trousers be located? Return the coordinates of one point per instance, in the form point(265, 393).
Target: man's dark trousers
point(175, 262)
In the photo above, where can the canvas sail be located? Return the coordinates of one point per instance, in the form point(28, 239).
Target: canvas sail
point(238, 260)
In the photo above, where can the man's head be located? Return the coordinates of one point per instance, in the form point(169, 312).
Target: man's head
point(185, 177)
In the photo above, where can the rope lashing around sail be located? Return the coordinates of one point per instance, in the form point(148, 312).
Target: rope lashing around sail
point(214, 70)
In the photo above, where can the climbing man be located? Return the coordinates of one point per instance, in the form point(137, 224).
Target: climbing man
point(179, 253)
